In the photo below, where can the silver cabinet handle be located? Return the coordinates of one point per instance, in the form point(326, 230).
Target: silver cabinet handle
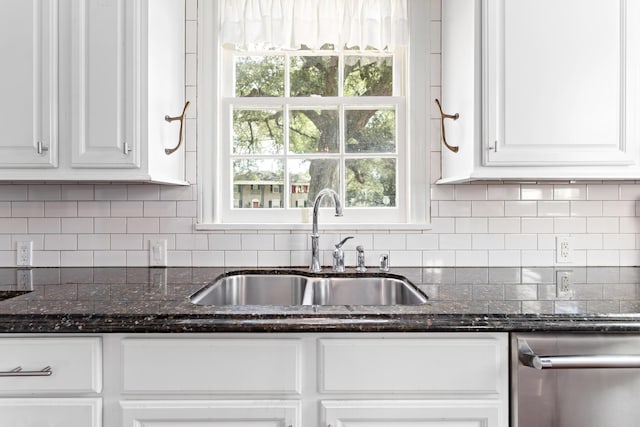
point(18, 372)
point(40, 148)
point(587, 361)
point(126, 149)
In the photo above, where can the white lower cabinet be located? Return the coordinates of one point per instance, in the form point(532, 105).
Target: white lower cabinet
point(51, 381)
point(411, 413)
point(310, 380)
point(211, 413)
point(51, 412)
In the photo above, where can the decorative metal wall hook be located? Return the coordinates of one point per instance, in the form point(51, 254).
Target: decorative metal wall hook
point(181, 117)
point(443, 116)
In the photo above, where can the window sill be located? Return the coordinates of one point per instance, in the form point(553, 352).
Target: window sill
point(307, 227)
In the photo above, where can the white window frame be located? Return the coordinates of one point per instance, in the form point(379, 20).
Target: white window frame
point(414, 162)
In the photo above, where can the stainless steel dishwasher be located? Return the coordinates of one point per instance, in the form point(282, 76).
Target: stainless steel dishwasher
point(571, 380)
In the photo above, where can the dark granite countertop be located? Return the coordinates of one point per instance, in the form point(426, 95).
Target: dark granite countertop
point(101, 300)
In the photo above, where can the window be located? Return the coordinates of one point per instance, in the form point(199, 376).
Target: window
point(307, 118)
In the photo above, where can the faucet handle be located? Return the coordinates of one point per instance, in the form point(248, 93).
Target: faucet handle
point(339, 244)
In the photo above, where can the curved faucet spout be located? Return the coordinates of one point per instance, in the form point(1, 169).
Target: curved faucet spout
point(315, 250)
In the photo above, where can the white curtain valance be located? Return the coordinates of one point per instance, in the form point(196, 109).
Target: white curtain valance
point(289, 24)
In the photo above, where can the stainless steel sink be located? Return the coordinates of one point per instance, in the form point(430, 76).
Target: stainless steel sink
point(301, 288)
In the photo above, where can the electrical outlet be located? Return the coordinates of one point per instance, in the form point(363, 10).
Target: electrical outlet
point(564, 249)
point(564, 283)
point(24, 253)
point(24, 279)
point(158, 253)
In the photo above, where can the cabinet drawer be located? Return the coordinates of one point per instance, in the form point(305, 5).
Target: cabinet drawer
point(211, 365)
point(450, 365)
point(75, 364)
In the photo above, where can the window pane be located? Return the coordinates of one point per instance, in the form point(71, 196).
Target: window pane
point(259, 76)
point(371, 182)
point(368, 76)
point(257, 183)
point(308, 176)
point(313, 131)
point(257, 132)
point(314, 76)
point(370, 131)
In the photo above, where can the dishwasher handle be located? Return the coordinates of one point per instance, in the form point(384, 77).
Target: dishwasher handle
point(588, 361)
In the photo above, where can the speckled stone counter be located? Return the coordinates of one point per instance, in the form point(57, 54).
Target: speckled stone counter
point(102, 300)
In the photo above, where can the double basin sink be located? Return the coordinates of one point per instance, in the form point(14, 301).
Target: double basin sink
point(294, 288)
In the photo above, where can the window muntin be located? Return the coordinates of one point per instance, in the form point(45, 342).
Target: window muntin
point(290, 124)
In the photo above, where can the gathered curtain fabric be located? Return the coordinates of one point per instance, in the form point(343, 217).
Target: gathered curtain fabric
point(291, 24)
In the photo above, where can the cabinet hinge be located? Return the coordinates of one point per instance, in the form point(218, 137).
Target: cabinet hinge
point(125, 148)
point(493, 147)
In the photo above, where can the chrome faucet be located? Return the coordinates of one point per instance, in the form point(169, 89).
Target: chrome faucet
point(315, 250)
point(338, 256)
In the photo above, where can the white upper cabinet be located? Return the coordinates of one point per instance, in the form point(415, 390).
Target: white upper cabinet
point(28, 83)
point(121, 71)
point(544, 89)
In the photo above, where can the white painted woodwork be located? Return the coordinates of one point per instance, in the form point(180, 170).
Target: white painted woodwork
point(211, 413)
point(411, 413)
point(114, 69)
point(76, 365)
point(544, 89)
point(104, 73)
point(420, 365)
point(51, 412)
point(28, 87)
point(227, 366)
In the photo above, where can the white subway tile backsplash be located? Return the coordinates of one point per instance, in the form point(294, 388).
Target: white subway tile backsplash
point(455, 241)
point(629, 224)
point(503, 192)
point(110, 192)
point(570, 192)
point(77, 192)
point(603, 258)
point(44, 192)
point(520, 208)
point(94, 209)
point(630, 192)
point(61, 209)
point(5, 209)
point(42, 225)
point(67, 242)
point(488, 241)
point(506, 258)
point(143, 192)
point(241, 258)
point(536, 192)
point(110, 258)
point(603, 192)
point(196, 242)
point(504, 225)
point(470, 192)
point(225, 241)
point(127, 209)
point(110, 225)
point(137, 258)
point(208, 258)
point(588, 241)
point(76, 225)
point(454, 209)
point(389, 241)
point(537, 258)
point(159, 209)
point(27, 209)
point(586, 208)
point(9, 192)
point(143, 225)
point(45, 258)
point(553, 208)
point(487, 208)
point(619, 241)
point(126, 241)
point(274, 258)
point(630, 258)
point(422, 241)
point(537, 225)
point(94, 242)
point(472, 225)
point(76, 259)
point(569, 225)
point(472, 258)
point(521, 241)
point(442, 192)
point(257, 242)
point(619, 208)
point(603, 225)
point(290, 242)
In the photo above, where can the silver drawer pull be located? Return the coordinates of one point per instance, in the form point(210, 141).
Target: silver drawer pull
point(18, 372)
point(588, 361)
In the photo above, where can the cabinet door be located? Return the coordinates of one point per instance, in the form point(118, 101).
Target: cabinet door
point(103, 95)
point(245, 413)
point(410, 413)
point(51, 412)
point(561, 82)
point(29, 83)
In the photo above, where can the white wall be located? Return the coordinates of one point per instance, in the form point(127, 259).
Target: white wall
point(486, 224)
